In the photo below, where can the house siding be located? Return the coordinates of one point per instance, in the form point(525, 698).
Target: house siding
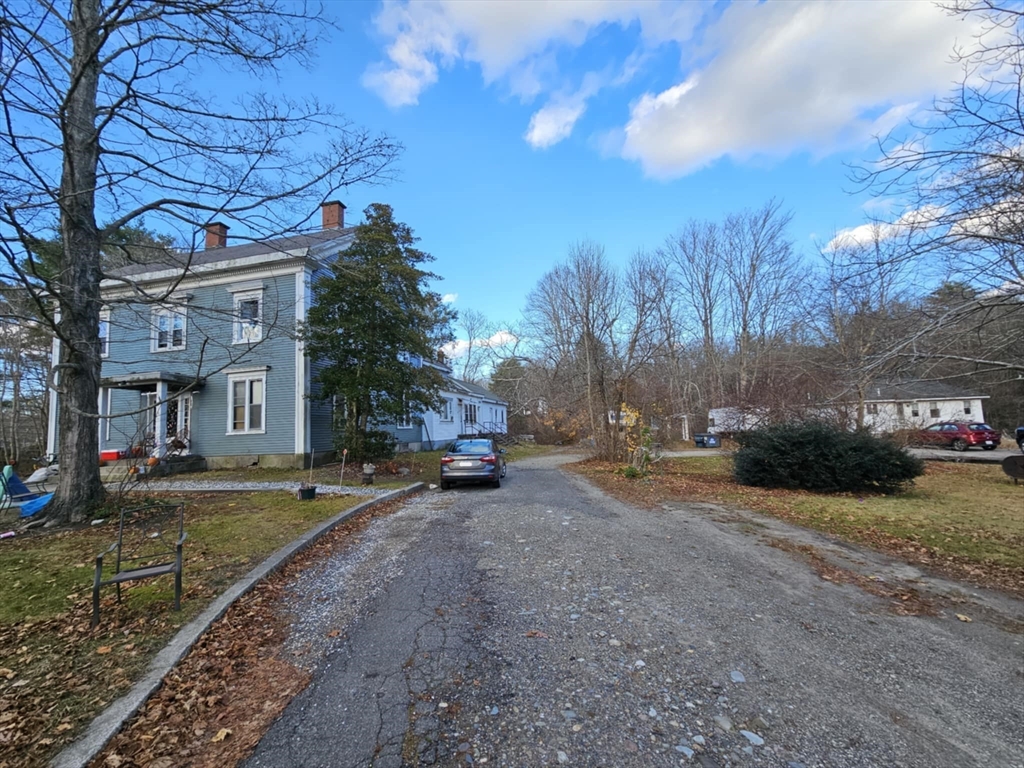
point(888, 418)
point(209, 317)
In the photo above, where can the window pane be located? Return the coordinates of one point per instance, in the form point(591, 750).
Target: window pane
point(238, 421)
point(249, 310)
point(255, 416)
point(256, 404)
point(238, 405)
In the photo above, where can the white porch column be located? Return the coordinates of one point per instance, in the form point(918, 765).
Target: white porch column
point(101, 432)
point(161, 419)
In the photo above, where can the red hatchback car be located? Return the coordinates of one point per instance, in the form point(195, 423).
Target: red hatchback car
point(960, 436)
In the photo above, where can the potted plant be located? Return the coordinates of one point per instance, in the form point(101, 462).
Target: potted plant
point(307, 489)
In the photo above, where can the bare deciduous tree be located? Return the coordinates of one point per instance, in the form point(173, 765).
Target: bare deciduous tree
point(960, 173)
point(594, 330)
point(102, 123)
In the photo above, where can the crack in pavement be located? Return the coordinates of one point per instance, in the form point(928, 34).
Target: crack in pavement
point(546, 624)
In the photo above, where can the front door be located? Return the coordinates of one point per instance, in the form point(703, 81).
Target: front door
point(179, 421)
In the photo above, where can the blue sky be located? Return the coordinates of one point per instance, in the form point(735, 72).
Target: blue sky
point(530, 125)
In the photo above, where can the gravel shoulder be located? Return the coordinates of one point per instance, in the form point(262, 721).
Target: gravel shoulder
point(547, 624)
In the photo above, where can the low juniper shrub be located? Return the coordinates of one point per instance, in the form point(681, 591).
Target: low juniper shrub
point(818, 457)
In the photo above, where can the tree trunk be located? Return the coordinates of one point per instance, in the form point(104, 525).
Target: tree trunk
point(79, 488)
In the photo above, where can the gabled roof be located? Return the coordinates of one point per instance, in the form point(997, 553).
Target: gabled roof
point(468, 388)
point(211, 256)
point(881, 391)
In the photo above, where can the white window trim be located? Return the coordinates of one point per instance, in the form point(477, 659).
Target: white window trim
point(236, 322)
point(108, 399)
point(257, 373)
point(450, 417)
point(105, 318)
point(154, 332)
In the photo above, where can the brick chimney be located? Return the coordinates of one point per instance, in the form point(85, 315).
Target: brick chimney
point(333, 214)
point(216, 235)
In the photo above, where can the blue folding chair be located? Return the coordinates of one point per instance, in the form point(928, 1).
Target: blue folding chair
point(15, 494)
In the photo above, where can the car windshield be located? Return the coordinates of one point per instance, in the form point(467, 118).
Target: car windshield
point(471, 446)
point(980, 427)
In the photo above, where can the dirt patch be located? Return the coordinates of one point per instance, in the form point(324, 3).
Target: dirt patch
point(964, 522)
point(900, 599)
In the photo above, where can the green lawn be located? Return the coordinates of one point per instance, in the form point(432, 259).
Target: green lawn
point(55, 672)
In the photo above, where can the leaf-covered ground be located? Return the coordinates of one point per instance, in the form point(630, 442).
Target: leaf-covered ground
point(55, 672)
point(216, 704)
point(965, 520)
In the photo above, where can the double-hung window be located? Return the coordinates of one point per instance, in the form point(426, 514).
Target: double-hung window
point(246, 400)
point(248, 317)
point(104, 332)
point(446, 410)
point(168, 329)
point(469, 413)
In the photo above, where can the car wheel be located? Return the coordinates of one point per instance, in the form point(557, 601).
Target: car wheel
point(959, 444)
point(504, 469)
point(496, 483)
point(989, 447)
point(445, 486)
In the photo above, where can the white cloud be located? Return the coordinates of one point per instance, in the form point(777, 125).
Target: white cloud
point(450, 298)
point(556, 119)
point(508, 39)
point(459, 347)
point(554, 122)
point(879, 231)
point(794, 77)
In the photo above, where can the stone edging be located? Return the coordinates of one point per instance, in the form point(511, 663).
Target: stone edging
point(109, 722)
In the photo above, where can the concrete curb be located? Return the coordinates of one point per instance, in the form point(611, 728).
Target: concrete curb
point(109, 722)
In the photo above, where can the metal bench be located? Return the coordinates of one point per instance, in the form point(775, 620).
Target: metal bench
point(143, 550)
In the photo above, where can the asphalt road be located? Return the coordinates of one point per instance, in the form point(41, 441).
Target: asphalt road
point(546, 624)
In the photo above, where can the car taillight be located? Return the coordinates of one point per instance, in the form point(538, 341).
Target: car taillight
point(447, 459)
point(489, 459)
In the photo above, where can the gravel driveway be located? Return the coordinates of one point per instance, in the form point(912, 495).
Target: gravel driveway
point(546, 624)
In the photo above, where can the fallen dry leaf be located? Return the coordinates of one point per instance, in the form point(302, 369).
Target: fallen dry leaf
point(7, 673)
point(334, 633)
point(104, 649)
point(536, 633)
point(222, 734)
point(968, 619)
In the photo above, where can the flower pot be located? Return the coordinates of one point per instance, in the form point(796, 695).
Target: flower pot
point(307, 494)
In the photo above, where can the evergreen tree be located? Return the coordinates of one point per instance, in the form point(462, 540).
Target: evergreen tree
point(372, 312)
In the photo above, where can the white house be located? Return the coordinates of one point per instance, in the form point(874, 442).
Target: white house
point(918, 404)
point(888, 407)
point(468, 409)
